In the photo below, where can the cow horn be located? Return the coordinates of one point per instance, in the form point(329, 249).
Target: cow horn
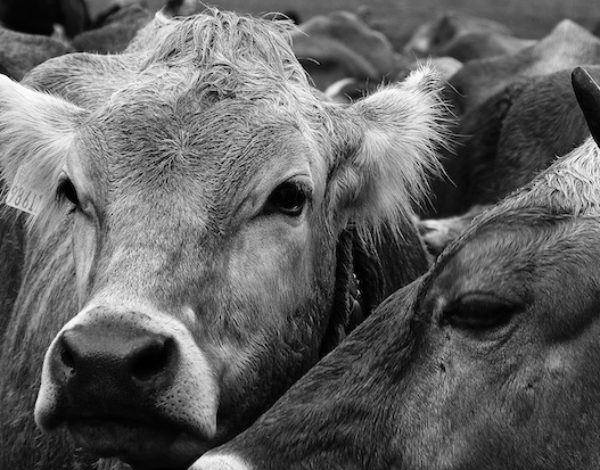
point(587, 92)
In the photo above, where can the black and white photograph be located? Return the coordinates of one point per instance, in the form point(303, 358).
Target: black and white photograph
point(299, 235)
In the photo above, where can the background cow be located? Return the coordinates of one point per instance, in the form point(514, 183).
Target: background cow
point(463, 37)
point(41, 16)
point(20, 52)
point(566, 46)
point(515, 114)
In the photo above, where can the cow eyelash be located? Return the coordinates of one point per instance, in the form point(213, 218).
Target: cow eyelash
point(289, 198)
point(66, 190)
point(479, 312)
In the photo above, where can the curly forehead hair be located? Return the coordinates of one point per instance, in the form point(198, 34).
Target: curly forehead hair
point(232, 54)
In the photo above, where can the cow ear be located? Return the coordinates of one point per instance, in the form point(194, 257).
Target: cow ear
point(587, 93)
point(390, 151)
point(36, 134)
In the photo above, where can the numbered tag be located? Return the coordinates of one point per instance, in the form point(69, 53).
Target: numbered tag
point(24, 198)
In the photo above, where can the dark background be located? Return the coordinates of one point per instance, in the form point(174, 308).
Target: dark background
point(398, 18)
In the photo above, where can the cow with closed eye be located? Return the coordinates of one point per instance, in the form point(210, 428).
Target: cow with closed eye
point(489, 361)
point(200, 215)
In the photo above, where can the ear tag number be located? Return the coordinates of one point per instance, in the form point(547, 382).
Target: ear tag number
point(22, 197)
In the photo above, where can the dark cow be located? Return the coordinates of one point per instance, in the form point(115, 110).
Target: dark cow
point(115, 30)
point(475, 46)
point(527, 126)
point(519, 112)
point(434, 37)
point(40, 16)
point(490, 361)
point(510, 138)
point(567, 46)
point(202, 214)
point(505, 142)
point(20, 52)
point(340, 45)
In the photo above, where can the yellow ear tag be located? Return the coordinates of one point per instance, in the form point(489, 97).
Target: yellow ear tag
point(23, 197)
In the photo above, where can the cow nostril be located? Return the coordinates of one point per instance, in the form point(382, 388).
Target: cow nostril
point(66, 356)
point(153, 359)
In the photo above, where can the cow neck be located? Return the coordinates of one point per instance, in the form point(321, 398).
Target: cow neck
point(359, 281)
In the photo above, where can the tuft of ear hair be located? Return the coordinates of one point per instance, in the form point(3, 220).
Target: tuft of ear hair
point(402, 128)
point(36, 135)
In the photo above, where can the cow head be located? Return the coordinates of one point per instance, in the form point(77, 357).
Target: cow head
point(341, 46)
point(434, 36)
point(491, 360)
point(203, 192)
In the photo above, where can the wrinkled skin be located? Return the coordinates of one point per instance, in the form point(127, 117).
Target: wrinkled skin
point(210, 231)
point(489, 361)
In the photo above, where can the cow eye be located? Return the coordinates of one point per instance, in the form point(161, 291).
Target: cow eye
point(479, 312)
point(66, 190)
point(288, 198)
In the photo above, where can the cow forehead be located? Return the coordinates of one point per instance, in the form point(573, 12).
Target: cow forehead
point(515, 252)
point(188, 140)
point(209, 101)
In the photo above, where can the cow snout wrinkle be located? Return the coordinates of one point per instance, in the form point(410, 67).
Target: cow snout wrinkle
point(92, 361)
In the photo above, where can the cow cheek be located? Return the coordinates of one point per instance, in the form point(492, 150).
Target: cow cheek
point(85, 243)
point(272, 290)
point(270, 270)
point(262, 335)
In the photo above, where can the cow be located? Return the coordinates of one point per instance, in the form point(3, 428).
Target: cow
point(12, 252)
point(568, 45)
point(489, 361)
point(446, 67)
point(350, 89)
point(474, 46)
point(201, 219)
point(432, 38)
point(508, 139)
point(340, 45)
point(114, 30)
point(438, 233)
point(505, 142)
point(516, 113)
point(20, 52)
point(39, 16)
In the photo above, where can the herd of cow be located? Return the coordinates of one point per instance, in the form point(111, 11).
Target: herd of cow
point(234, 243)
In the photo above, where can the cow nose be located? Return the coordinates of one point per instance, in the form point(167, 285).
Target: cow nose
point(123, 361)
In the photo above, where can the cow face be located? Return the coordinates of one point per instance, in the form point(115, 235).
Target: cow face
point(510, 348)
point(203, 199)
point(489, 361)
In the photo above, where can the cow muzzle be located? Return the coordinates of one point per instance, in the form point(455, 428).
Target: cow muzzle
point(130, 385)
